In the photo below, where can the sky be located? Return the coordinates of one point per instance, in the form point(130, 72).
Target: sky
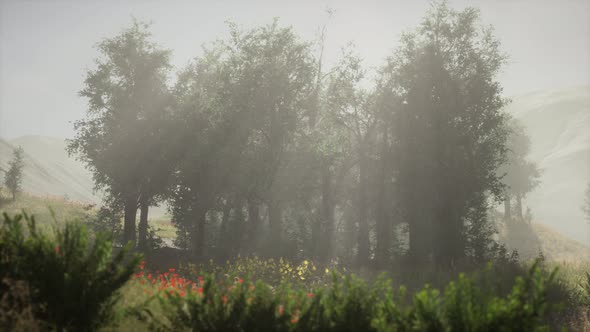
point(46, 47)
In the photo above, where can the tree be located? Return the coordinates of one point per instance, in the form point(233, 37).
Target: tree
point(449, 130)
point(125, 92)
point(520, 175)
point(241, 101)
point(14, 176)
point(351, 107)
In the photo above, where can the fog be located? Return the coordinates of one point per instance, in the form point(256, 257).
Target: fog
point(338, 169)
point(46, 46)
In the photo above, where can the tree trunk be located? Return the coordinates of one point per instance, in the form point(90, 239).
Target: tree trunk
point(327, 216)
point(418, 251)
point(237, 228)
point(363, 231)
point(198, 233)
point(225, 237)
point(507, 208)
point(143, 225)
point(275, 219)
point(449, 242)
point(383, 223)
point(130, 210)
point(254, 225)
point(519, 207)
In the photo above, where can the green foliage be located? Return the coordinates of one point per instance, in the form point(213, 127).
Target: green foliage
point(585, 286)
point(348, 303)
point(272, 271)
point(74, 280)
point(14, 175)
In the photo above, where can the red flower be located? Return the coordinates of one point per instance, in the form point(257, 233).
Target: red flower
point(200, 290)
point(309, 295)
point(281, 310)
point(224, 299)
point(240, 280)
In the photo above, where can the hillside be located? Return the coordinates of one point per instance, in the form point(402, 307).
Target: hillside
point(558, 123)
point(49, 170)
point(558, 247)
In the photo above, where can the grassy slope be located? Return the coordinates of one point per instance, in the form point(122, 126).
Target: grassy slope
point(43, 207)
point(558, 123)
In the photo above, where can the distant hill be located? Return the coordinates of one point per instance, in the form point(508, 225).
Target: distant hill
point(48, 169)
point(558, 123)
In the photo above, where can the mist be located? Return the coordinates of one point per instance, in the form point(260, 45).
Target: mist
point(241, 139)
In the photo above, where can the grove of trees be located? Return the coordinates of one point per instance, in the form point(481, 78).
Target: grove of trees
point(258, 149)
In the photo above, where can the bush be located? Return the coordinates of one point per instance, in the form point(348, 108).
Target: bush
point(74, 281)
point(271, 271)
point(16, 309)
point(349, 304)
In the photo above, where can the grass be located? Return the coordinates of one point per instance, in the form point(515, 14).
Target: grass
point(55, 210)
point(50, 210)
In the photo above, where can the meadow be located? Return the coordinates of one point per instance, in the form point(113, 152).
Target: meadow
point(50, 273)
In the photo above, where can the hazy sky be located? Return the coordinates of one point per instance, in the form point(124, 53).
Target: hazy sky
point(47, 46)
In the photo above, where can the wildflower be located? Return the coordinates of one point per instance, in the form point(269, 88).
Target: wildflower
point(309, 295)
point(200, 290)
point(224, 299)
point(240, 280)
point(171, 270)
point(281, 310)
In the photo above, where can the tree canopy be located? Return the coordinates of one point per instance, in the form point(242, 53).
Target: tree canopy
point(257, 148)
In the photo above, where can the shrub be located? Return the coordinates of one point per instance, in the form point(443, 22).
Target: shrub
point(272, 271)
point(350, 304)
point(74, 281)
point(16, 309)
